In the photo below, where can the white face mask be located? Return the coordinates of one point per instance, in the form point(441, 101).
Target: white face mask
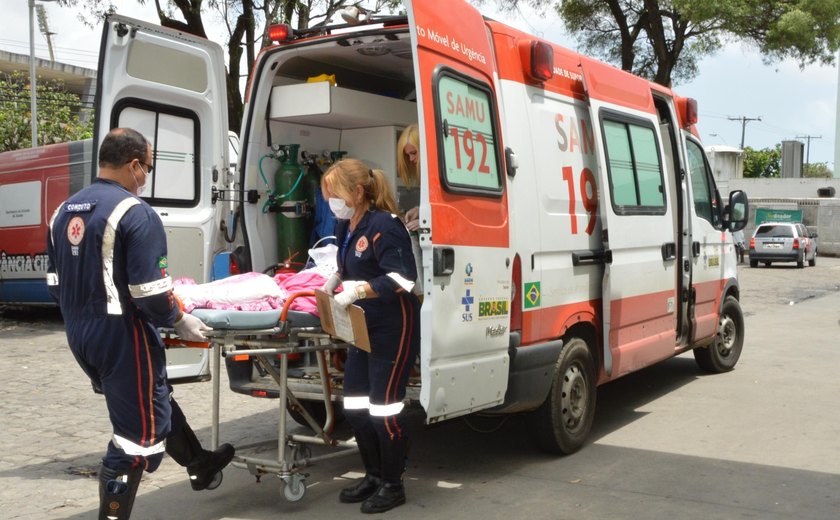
point(340, 209)
point(141, 190)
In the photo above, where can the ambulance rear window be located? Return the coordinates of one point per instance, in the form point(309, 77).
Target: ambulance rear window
point(469, 151)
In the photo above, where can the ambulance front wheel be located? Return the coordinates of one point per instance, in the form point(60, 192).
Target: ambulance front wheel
point(562, 423)
point(724, 352)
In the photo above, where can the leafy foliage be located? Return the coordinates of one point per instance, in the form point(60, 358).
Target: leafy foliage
point(57, 110)
point(818, 170)
point(664, 40)
point(766, 162)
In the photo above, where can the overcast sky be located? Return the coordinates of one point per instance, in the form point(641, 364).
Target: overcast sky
point(732, 84)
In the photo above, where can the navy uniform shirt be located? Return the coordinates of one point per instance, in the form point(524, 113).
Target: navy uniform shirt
point(378, 251)
point(107, 256)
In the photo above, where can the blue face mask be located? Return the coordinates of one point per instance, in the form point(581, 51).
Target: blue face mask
point(340, 209)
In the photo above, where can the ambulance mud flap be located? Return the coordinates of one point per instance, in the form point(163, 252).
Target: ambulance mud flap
point(531, 374)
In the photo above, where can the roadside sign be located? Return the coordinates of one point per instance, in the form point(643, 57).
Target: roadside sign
point(763, 215)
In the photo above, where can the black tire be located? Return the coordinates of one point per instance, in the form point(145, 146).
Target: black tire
point(562, 423)
point(318, 412)
point(813, 261)
point(722, 355)
point(800, 262)
point(768, 264)
point(753, 263)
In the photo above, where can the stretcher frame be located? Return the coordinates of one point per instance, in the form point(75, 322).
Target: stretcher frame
point(293, 451)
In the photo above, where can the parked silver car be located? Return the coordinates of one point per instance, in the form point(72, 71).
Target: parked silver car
point(783, 242)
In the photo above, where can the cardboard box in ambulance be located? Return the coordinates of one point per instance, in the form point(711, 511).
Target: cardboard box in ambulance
point(571, 231)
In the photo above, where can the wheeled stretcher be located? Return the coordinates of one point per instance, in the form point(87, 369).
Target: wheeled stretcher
point(266, 336)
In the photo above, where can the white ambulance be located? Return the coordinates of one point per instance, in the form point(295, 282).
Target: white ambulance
point(571, 231)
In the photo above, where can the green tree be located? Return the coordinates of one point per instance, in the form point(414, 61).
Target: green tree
point(247, 23)
point(818, 170)
point(664, 40)
point(766, 162)
point(58, 113)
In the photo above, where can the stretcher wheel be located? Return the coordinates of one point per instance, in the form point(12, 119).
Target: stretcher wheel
point(216, 482)
point(295, 488)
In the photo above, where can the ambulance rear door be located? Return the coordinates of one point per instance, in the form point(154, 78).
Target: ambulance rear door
point(639, 286)
point(465, 317)
point(170, 86)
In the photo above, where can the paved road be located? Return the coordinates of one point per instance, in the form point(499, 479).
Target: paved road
point(668, 442)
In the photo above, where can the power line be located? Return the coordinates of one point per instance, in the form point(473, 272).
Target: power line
point(744, 120)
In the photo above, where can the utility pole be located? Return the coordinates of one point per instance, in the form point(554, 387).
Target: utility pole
point(808, 145)
point(744, 120)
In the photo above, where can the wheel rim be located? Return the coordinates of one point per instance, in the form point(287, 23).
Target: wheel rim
point(727, 335)
point(574, 396)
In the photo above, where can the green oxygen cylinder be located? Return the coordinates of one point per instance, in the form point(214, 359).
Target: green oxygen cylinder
point(290, 205)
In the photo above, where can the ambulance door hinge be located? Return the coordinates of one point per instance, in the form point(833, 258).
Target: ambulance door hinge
point(253, 196)
point(695, 249)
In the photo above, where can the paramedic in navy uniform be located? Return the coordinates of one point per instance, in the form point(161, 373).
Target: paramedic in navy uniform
point(378, 273)
point(107, 270)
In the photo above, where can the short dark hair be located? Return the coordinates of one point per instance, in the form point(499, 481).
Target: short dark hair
point(121, 146)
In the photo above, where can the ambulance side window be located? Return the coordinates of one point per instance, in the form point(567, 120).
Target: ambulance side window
point(634, 166)
point(468, 150)
point(701, 191)
point(174, 135)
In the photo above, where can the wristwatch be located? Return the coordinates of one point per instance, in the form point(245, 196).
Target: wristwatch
point(360, 292)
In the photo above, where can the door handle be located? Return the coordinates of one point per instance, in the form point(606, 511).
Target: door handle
point(443, 261)
point(669, 251)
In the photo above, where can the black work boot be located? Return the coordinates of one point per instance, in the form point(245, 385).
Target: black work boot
point(117, 490)
point(368, 444)
point(392, 493)
point(202, 465)
point(387, 497)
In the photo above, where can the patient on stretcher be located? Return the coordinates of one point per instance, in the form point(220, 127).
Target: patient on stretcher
point(257, 291)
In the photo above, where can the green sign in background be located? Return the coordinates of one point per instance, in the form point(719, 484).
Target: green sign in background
point(763, 215)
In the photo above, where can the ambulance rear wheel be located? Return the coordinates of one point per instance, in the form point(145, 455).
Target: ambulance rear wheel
point(724, 352)
point(562, 423)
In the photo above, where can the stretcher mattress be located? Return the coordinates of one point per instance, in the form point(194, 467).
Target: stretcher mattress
point(244, 320)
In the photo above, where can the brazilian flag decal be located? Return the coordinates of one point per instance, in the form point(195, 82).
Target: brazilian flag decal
point(532, 295)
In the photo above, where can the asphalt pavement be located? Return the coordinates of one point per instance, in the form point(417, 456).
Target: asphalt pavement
point(762, 441)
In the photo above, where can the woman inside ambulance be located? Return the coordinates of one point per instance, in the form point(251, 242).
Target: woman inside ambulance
point(376, 271)
point(408, 169)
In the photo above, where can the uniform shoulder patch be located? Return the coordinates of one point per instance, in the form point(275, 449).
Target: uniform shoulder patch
point(76, 230)
point(362, 244)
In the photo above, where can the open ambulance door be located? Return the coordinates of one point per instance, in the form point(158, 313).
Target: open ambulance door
point(170, 86)
point(639, 288)
point(465, 319)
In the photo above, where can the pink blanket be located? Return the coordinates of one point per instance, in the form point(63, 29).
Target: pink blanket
point(302, 281)
point(250, 292)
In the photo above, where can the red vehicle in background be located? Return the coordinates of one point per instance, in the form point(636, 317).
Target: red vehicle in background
point(33, 182)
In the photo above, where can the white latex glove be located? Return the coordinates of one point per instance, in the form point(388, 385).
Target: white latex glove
point(348, 293)
point(331, 284)
point(190, 328)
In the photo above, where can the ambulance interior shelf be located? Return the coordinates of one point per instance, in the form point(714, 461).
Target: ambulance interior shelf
point(321, 104)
